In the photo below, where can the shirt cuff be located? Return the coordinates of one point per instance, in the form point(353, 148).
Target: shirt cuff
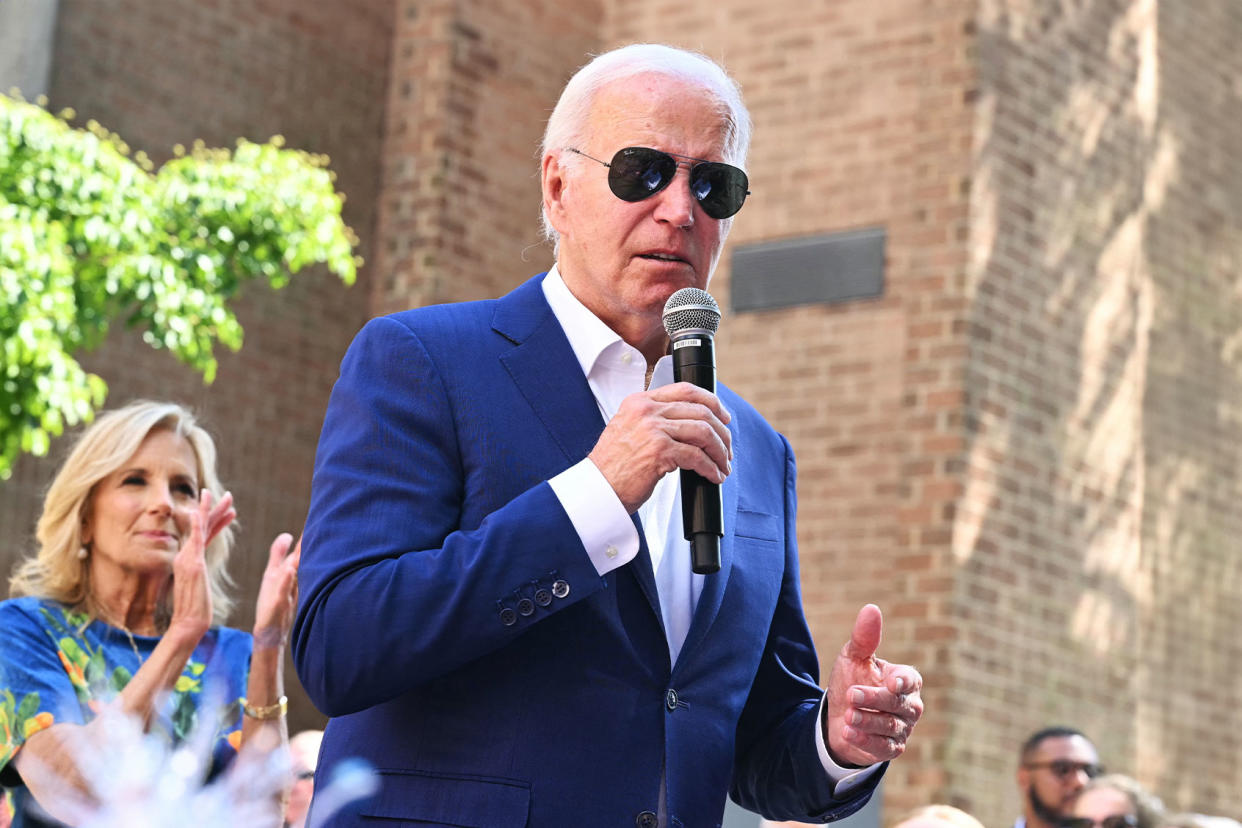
point(844, 779)
point(605, 529)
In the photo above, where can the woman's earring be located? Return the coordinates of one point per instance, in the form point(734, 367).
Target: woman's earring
point(83, 552)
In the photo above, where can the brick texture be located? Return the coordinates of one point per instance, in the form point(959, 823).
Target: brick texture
point(469, 97)
point(166, 73)
point(1093, 544)
point(1027, 451)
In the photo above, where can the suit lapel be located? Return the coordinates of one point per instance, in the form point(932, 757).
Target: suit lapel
point(645, 574)
point(545, 371)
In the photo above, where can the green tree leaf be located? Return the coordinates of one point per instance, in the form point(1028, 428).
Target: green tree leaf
point(89, 235)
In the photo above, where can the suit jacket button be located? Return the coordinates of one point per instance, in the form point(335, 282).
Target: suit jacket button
point(670, 700)
point(508, 617)
point(560, 589)
point(525, 606)
point(543, 597)
point(646, 820)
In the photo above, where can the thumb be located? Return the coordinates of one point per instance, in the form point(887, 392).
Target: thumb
point(276, 552)
point(865, 637)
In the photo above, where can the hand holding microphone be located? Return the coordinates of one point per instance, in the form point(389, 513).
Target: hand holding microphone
point(678, 426)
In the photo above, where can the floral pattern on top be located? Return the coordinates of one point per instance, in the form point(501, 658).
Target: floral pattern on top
point(58, 665)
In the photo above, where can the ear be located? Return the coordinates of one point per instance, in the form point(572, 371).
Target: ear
point(555, 181)
point(86, 533)
point(1024, 779)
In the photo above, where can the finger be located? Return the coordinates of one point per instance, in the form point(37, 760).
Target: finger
point(221, 507)
point(901, 678)
point(887, 725)
point(698, 448)
point(205, 499)
point(194, 543)
point(866, 698)
point(687, 392)
point(220, 516)
point(877, 748)
point(865, 637)
point(707, 432)
point(280, 546)
point(295, 557)
point(692, 411)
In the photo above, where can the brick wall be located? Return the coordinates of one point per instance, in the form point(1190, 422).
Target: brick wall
point(166, 73)
point(472, 86)
point(1026, 451)
point(1096, 538)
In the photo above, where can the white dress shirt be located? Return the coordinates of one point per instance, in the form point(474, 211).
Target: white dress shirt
point(614, 370)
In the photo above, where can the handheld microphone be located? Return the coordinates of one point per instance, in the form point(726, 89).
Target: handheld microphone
point(691, 317)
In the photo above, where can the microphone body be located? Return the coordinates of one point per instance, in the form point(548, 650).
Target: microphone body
point(694, 361)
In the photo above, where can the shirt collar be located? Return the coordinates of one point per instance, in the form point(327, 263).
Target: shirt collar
point(588, 335)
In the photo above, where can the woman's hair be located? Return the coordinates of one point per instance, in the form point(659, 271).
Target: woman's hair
point(941, 813)
point(569, 123)
point(1147, 806)
point(56, 571)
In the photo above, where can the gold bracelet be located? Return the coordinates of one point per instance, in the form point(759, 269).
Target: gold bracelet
point(272, 711)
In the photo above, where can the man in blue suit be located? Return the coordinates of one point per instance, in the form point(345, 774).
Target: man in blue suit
point(498, 610)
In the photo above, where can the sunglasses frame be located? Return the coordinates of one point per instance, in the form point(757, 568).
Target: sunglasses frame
point(671, 156)
point(1111, 821)
point(1062, 768)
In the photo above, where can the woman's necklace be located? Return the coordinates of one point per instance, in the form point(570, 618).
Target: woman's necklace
point(133, 645)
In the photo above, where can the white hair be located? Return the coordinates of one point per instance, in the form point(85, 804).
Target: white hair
point(569, 123)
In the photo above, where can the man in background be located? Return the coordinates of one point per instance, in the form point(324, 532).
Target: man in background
point(1053, 766)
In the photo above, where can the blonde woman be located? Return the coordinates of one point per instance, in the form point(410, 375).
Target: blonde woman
point(123, 605)
point(1115, 801)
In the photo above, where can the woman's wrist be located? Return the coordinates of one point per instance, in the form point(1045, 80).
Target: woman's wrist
point(265, 712)
point(269, 638)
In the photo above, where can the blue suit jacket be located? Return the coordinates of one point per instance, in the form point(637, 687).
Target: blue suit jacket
point(455, 630)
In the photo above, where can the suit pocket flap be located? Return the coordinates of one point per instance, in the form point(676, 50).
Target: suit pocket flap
point(470, 802)
point(758, 525)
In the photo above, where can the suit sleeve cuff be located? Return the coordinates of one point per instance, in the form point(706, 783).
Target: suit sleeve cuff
point(606, 531)
point(844, 780)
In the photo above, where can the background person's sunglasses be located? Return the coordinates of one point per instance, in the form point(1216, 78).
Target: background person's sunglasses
point(636, 173)
point(1114, 821)
point(1062, 768)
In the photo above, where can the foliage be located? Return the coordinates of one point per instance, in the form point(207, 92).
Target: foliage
point(89, 234)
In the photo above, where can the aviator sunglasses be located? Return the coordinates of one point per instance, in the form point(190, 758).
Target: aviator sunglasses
point(636, 173)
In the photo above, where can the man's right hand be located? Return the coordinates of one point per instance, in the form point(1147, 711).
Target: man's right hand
point(678, 426)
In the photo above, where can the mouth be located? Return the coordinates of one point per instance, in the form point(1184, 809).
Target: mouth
point(663, 257)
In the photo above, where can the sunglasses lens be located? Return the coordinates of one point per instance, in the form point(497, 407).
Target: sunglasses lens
point(1119, 821)
point(1077, 822)
point(720, 188)
point(637, 173)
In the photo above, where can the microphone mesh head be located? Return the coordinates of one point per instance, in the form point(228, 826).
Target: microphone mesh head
point(691, 308)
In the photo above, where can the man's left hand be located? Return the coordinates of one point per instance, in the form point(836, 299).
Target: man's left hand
point(872, 706)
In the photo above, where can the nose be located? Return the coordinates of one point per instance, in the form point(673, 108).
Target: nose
point(675, 203)
point(159, 499)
